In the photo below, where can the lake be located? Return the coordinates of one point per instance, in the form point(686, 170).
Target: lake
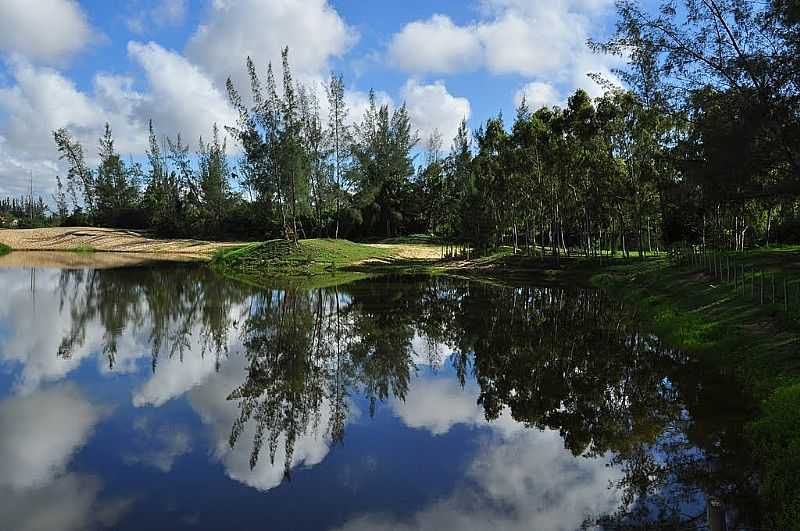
point(166, 397)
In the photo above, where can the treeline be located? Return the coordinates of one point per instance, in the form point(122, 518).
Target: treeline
point(24, 212)
point(299, 175)
point(704, 147)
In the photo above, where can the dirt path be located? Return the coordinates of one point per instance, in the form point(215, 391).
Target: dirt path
point(104, 240)
point(415, 251)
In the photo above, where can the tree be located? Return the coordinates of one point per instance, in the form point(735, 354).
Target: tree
point(80, 178)
point(338, 134)
point(214, 186)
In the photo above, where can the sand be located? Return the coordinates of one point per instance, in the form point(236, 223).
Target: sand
point(106, 240)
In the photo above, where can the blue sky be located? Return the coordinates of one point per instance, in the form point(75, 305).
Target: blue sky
point(78, 64)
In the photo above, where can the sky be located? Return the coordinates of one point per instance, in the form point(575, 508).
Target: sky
point(80, 64)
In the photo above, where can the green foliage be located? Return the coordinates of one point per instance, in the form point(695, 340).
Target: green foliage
point(283, 258)
point(753, 341)
point(777, 436)
point(4, 249)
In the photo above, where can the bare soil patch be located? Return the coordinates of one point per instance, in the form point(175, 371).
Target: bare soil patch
point(106, 240)
point(414, 251)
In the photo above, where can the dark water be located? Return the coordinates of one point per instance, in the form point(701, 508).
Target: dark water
point(168, 398)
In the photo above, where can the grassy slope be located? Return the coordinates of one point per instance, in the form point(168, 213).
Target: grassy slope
point(316, 263)
point(281, 260)
point(760, 343)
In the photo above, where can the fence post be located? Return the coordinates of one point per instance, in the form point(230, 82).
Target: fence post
point(761, 282)
point(785, 295)
point(773, 287)
point(728, 268)
point(743, 286)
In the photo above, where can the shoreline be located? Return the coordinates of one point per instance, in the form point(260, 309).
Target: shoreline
point(759, 344)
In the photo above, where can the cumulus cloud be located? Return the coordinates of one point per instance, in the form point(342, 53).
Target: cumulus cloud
point(432, 107)
point(42, 100)
point(182, 97)
point(47, 30)
point(448, 47)
point(527, 482)
point(538, 95)
point(530, 38)
point(41, 432)
point(312, 29)
point(209, 400)
point(71, 502)
point(39, 435)
point(158, 446)
point(438, 404)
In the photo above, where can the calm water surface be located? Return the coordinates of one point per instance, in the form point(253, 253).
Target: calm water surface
point(165, 397)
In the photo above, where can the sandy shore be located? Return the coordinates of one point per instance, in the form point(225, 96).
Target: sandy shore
point(67, 260)
point(105, 240)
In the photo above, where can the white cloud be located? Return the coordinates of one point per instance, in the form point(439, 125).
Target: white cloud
point(41, 432)
point(438, 404)
point(447, 48)
point(544, 39)
point(538, 95)
point(527, 482)
point(312, 29)
point(42, 100)
point(161, 445)
point(209, 400)
point(432, 107)
point(181, 97)
point(48, 30)
point(358, 102)
point(39, 435)
point(68, 503)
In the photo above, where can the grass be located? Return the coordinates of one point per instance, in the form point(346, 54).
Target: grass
point(759, 343)
point(266, 262)
point(84, 249)
point(274, 260)
point(4, 249)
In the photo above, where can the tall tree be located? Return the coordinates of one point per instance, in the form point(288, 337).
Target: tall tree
point(338, 133)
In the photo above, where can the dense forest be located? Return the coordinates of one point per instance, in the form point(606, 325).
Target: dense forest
point(702, 146)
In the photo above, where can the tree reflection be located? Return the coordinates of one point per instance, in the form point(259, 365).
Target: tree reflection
point(574, 361)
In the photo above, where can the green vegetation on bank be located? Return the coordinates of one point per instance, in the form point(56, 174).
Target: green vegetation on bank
point(759, 343)
point(83, 249)
point(4, 249)
point(282, 258)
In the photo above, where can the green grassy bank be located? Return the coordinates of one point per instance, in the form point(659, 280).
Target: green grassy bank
point(280, 260)
point(310, 263)
point(759, 343)
point(4, 249)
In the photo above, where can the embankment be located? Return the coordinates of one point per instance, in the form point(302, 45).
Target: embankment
point(758, 343)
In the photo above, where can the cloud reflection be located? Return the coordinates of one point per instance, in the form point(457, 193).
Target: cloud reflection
point(39, 435)
point(520, 478)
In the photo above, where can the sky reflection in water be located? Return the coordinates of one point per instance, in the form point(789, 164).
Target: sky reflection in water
point(168, 398)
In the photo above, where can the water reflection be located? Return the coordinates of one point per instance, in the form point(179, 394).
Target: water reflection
point(40, 433)
point(560, 383)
